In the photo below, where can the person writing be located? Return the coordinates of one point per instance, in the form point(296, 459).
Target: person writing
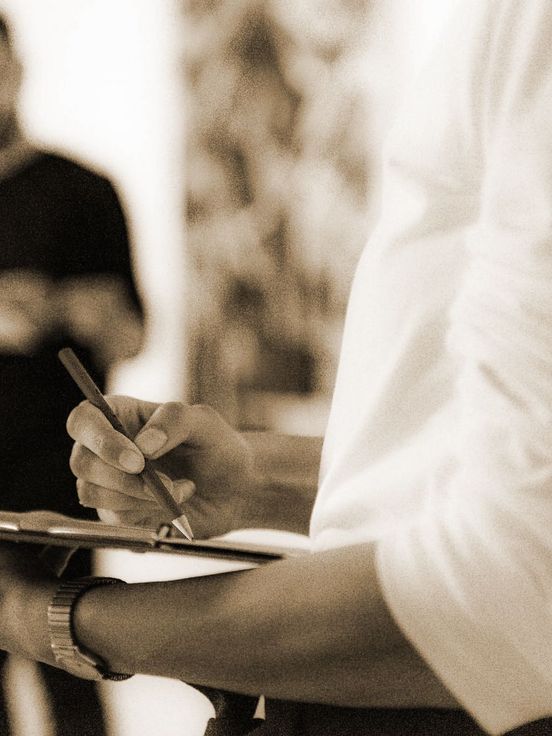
point(425, 605)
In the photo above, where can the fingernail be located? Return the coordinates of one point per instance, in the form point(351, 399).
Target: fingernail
point(131, 461)
point(183, 490)
point(150, 440)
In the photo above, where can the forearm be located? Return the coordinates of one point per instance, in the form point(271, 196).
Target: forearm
point(309, 629)
point(286, 469)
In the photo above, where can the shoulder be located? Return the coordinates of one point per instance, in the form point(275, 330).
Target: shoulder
point(67, 180)
point(57, 168)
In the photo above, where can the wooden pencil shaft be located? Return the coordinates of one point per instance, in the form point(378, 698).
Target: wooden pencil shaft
point(85, 382)
point(159, 490)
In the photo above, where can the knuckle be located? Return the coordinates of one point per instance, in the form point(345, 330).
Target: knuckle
point(82, 489)
point(174, 411)
point(117, 401)
point(204, 410)
point(208, 420)
point(76, 460)
point(88, 494)
point(99, 444)
point(129, 485)
point(75, 419)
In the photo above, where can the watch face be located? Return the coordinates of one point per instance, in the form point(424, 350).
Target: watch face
point(76, 665)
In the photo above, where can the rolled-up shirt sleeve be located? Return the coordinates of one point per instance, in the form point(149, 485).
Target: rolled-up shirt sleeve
point(470, 579)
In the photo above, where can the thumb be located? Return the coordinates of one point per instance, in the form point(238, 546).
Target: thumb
point(174, 423)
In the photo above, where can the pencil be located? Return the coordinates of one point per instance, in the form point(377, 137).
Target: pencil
point(162, 495)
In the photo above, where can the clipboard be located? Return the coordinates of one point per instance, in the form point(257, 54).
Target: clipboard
point(48, 528)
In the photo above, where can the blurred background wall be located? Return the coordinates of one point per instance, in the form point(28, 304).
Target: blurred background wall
point(277, 191)
point(288, 103)
point(244, 137)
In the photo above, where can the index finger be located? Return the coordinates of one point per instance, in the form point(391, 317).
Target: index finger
point(87, 425)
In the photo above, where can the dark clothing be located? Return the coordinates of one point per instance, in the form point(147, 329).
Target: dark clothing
point(323, 720)
point(61, 221)
point(235, 716)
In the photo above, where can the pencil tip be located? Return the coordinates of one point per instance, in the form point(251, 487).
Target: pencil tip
point(183, 526)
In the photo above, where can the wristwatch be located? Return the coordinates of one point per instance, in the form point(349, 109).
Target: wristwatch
point(67, 652)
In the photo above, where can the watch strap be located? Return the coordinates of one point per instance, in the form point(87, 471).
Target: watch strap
point(68, 654)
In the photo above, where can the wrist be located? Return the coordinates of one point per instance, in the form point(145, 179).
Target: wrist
point(285, 480)
point(68, 652)
point(25, 619)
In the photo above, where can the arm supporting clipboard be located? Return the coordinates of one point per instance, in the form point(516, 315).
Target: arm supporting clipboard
point(55, 532)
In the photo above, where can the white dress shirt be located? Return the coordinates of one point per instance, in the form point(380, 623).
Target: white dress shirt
point(439, 443)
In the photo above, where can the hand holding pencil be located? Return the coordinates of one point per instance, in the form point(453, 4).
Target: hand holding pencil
point(207, 465)
point(150, 477)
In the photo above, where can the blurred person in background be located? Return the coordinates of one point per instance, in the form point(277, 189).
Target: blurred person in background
point(65, 279)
